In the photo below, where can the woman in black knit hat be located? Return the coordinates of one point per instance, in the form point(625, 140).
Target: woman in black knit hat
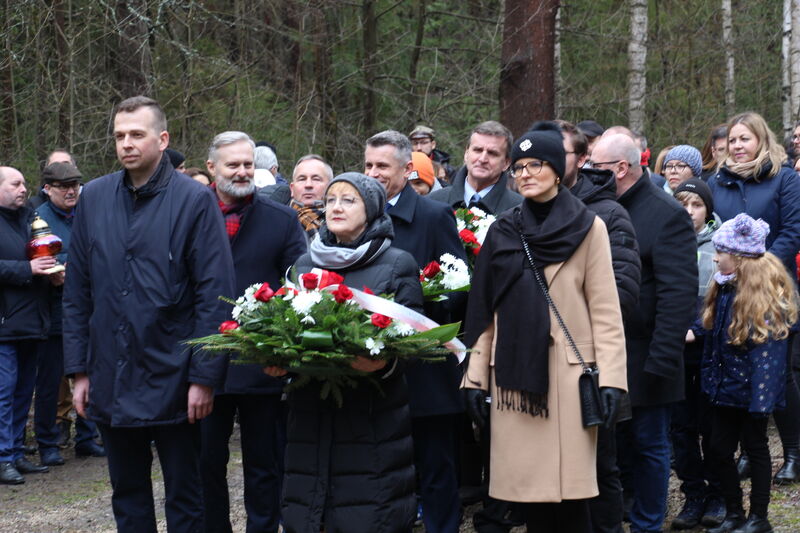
point(541, 454)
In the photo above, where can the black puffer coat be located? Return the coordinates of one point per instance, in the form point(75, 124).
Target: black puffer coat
point(598, 191)
point(350, 469)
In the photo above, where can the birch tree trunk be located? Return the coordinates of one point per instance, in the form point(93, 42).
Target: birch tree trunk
point(134, 64)
point(794, 61)
point(370, 42)
point(559, 82)
point(527, 86)
point(727, 46)
point(786, 73)
point(637, 65)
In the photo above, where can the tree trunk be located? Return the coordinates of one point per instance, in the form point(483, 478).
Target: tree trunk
point(559, 82)
point(370, 38)
point(786, 74)
point(326, 112)
point(794, 61)
point(63, 66)
point(637, 65)
point(419, 9)
point(134, 65)
point(8, 115)
point(527, 77)
point(727, 46)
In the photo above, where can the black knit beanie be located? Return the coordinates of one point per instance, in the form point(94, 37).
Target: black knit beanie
point(699, 187)
point(544, 143)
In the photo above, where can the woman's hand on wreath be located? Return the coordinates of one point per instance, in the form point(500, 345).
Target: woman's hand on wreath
point(365, 364)
point(275, 371)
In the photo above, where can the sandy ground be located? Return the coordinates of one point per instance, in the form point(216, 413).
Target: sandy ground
point(76, 498)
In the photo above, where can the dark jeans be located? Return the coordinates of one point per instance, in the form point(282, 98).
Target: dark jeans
point(691, 421)
point(435, 461)
point(49, 371)
point(17, 378)
point(567, 516)
point(606, 508)
point(262, 457)
point(788, 420)
point(130, 459)
point(728, 425)
point(645, 445)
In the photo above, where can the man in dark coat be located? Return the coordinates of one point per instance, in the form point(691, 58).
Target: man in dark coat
point(426, 229)
point(656, 331)
point(265, 240)
point(481, 182)
point(24, 321)
point(149, 259)
point(597, 190)
point(62, 182)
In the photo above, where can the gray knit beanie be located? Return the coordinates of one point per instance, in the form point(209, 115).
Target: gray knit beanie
point(370, 190)
point(686, 154)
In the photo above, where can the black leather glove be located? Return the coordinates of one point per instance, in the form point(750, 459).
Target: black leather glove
point(477, 408)
point(612, 398)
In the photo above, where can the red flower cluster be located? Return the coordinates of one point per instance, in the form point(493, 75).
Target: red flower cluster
point(309, 281)
point(468, 237)
point(342, 293)
point(264, 293)
point(282, 291)
point(228, 325)
point(380, 321)
point(431, 269)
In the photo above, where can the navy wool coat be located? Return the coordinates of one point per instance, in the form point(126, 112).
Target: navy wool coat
point(146, 269)
point(269, 241)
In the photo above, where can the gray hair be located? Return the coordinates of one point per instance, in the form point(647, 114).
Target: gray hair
point(315, 157)
point(264, 157)
point(495, 129)
point(393, 138)
point(224, 139)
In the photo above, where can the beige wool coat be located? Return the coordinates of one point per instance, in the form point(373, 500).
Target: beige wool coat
point(536, 459)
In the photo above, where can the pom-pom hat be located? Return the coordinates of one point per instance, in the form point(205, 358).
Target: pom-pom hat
point(742, 236)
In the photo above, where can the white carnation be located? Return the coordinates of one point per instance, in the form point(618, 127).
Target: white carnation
point(478, 212)
point(308, 319)
point(456, 274)
point(374, 346)
point(305, 300)
point(460, 224)
point(448, 259)
point(401, 329)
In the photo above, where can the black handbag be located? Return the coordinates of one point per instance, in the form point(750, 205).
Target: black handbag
point(592, 412)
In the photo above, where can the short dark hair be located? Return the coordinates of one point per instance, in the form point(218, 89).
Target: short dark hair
point(495, 129)
point(580, 144)
point(393, 138)
point(129, 105)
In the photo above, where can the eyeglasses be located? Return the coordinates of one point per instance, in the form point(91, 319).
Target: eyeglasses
point(678, 167)
point(345, 201)
point(533, 168)
point(597, 164)
point(66, 186)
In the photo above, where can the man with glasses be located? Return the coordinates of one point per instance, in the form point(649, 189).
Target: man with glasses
point(62, 183)
point(655, 331)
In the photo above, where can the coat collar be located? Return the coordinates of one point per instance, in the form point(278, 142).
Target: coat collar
point(406, 205)
point(490, 202)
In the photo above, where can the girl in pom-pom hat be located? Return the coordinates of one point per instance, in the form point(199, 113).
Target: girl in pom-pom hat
point(750, 309)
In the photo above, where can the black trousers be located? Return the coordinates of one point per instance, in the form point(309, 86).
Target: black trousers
point(435, 461)
point(130, 459)
point(567, 516)
point(262, 457)
point(607, 508)
point(728, 424)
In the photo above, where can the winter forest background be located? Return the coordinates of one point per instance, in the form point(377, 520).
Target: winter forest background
point(322, 75)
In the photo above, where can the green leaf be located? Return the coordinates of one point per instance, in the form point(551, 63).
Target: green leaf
point(311, 339)
point(441, 334)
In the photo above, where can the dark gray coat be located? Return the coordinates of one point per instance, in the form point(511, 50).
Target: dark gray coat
point(351, 468)
point(498, 200)
point(656, 332)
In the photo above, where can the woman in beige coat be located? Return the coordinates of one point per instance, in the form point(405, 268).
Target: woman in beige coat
point(541, 455)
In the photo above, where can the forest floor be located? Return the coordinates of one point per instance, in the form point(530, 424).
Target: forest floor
point(76, 498)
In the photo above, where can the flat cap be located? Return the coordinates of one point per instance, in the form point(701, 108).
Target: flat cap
point(61, 172)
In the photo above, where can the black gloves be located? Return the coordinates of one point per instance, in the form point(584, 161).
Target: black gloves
point(612, 398)
point(477, 408)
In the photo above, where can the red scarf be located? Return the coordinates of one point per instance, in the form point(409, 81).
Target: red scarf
point(233, 213)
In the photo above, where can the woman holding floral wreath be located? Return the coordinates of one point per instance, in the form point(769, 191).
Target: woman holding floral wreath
point(351, 468)
point(541, 454)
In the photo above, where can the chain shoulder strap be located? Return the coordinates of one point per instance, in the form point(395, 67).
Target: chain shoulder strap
point(552, 304)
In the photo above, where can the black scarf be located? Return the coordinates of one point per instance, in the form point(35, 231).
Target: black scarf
point(504, 283)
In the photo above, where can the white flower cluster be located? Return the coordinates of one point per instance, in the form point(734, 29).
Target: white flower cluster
point(374, 346)
point(400, 329)
point(246, 303)
point(455, 272)
point(305, 300)
point(482, 224)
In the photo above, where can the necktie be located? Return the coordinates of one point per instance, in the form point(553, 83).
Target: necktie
point(475, 200)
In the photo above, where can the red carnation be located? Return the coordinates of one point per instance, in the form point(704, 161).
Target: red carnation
point(468, 237)
point(329, 278)
point(476, 250)
point(282, 291)
point(380, 321)
point(342, 293)
point(228, 325)
point(422, 276)
point(367, 289)
point(310, 281)
point(431, 269)
point(264, 293)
